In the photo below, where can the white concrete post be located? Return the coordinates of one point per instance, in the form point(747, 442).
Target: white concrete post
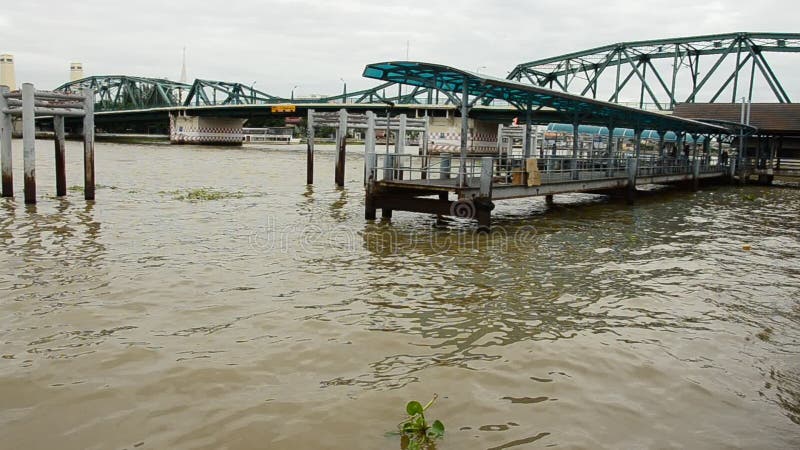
point(88, 144)
point(29, 142)
point(6, 130)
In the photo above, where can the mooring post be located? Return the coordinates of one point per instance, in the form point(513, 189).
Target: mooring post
point(6, 130)
point(633, 165)
point(483, 204)
point(88, 144)
point(341, 145)
point(369, 147)
point(400, 145)
point(526, 139)
point(370, 161)
point(425, 157)
point(60, 154)
point(29, 142)
point(462, 165)
point(611, 163)
point(575, 143)
point(446, 164)
point(310, 148)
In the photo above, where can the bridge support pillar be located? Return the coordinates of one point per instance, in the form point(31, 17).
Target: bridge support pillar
point(201, 130)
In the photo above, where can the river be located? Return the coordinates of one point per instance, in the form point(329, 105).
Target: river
point(274, 316)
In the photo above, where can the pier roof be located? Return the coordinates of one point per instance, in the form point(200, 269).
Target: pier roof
point(522, 96)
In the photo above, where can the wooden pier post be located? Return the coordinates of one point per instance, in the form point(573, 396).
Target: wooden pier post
point(310, 148)
point(88, 144)
point(445, 166)
point(575, 149)
point(341, 147)
point(370, 169)
point(6, 130)
point(29, 142)
point(633, 166)
point(369, 147)
point(425, 156)
point(483, 204)
point(400, 145)
point(60, 154)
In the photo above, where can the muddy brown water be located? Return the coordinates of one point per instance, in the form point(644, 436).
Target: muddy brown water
point(276, 317)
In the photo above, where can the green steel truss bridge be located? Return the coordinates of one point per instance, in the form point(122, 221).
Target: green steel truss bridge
point(128, 93)
point(660, 73)
point(665, 72)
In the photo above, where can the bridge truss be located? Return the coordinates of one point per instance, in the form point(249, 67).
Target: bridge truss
point(680, 77)
point(209, 92)
point(120, 92)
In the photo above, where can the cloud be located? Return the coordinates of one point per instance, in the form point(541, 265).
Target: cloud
point(314, 43)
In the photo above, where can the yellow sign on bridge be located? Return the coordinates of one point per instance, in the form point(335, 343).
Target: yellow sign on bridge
point(284, 108)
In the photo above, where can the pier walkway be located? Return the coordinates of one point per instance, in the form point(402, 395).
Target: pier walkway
point(466, 186)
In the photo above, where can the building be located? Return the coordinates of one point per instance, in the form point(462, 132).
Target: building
point(75, 71)
point(7, 77)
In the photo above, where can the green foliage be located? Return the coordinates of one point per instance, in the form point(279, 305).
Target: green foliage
point(204, 194)
point(765, 334)
point(416, 433)
point(749, 197)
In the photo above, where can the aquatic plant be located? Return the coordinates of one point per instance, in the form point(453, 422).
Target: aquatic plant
point(205, 194)
point(765, 334)
point(749, 197)
point(414, 429)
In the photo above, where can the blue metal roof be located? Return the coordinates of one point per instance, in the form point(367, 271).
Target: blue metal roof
point(584, 110)
point(652, 135)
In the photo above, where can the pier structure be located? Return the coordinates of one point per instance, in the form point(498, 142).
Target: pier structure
point(467, 186)
point(342, 122)
point(30, 104)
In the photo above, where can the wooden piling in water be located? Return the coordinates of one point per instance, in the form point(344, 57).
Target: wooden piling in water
point(310, 148)
point(88, 144)
point(341, 148)
point(29, 143)
point(5, 145)
point(60, 155)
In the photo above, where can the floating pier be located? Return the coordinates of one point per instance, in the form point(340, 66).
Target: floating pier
point(468, 186)
point(30, 104)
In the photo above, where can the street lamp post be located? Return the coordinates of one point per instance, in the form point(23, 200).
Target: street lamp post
point(344, 90)
point(252, 93)
point(295, 87)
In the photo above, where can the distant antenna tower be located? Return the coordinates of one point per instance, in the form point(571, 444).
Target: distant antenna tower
point(183, 68)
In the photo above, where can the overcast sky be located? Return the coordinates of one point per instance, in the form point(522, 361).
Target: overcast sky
point(313, 43)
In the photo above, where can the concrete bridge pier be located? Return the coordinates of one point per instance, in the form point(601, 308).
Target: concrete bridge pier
point(202, 130)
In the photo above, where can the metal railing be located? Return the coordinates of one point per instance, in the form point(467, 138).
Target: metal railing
point(513, 170)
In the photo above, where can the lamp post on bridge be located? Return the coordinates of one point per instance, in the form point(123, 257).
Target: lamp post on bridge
point(252, 93)
point(344, 90)
point(295, 87)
